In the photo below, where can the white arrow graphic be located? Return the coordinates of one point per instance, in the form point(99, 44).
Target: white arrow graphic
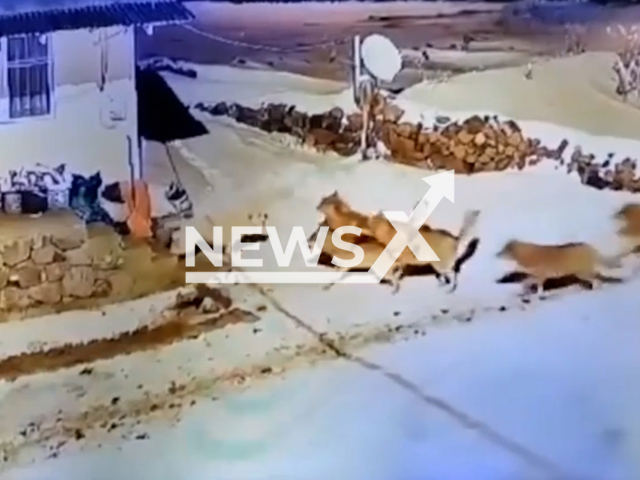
point(407, 235)
point(408, 227)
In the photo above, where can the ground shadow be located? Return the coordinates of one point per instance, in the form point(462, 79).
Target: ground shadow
point(555, 283)
point(411, 270)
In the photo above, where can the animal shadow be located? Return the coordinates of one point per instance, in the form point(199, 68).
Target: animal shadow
point(556, 283)
point(412, 270)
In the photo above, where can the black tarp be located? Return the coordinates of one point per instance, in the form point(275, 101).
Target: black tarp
point(161, 115)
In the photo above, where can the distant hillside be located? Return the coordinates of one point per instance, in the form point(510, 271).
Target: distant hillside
point(594, 2)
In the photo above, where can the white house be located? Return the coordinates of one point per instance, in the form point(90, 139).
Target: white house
point(67, 82)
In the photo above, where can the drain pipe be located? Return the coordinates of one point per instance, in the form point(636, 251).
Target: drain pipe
point(132, 171)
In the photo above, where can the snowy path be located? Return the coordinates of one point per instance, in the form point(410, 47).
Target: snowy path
point(563, 380)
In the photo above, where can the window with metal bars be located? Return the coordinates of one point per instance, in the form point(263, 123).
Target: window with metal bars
point(29, 85)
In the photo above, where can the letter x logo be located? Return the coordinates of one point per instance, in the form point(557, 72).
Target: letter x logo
point(408, 227)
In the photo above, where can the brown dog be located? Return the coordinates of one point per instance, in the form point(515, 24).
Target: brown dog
point(629, 215)
point(545, 262)
point(383, 230)
point(372, 250)
point(445, 245)
point(338, 213)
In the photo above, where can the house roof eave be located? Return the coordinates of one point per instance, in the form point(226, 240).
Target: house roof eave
point(133, 13)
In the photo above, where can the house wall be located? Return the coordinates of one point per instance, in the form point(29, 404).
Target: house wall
point(79, 132)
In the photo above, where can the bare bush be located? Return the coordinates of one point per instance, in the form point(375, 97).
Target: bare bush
point(529, 72)
point(574, 38)
point(466, 41)
point(627, 64)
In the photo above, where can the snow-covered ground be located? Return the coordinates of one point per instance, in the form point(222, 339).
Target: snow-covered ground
point(562, 379)
point(557, 376)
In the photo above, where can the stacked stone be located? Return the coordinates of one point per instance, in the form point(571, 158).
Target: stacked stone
point(478, 144)
point(607, 174)
point(323, 132)
point(54, 269)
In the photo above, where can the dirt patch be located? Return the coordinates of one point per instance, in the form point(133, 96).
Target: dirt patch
point(126, 418)
point(188, 322)
point(418, 17)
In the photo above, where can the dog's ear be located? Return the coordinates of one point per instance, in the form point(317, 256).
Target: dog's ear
point(621, 212)
point(507, 247)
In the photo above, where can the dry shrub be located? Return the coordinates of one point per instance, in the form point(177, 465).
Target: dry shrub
point(627, 64)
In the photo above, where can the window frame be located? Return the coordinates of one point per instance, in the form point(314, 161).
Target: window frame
point(5, 116)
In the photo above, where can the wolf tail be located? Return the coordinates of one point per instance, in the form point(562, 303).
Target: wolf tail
point(615, 261)
point(466, 254)
point(468, 224)
point(468, 248)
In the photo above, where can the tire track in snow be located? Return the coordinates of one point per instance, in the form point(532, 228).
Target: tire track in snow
point(96, 423)
point(160, 406)
point(127, 343)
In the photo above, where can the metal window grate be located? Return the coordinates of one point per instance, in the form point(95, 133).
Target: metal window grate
point(28, 75)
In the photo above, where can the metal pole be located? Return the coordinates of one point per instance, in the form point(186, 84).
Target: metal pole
point(132, 173)
point(357, 65)
point(365, 127)
point(360, 94)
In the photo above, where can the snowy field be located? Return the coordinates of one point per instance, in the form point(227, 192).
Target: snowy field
point(559, 377)
point(562, 380)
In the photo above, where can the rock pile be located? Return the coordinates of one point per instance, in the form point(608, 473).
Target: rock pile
point(52, 269)
point(324, 132)
point(608, 174)
point(477, 144)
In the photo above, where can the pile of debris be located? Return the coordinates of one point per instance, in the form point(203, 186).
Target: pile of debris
point(605, 175)
point(477, 144)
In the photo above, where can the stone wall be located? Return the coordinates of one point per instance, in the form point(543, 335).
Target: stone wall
point(51, 261)
point(477, 144)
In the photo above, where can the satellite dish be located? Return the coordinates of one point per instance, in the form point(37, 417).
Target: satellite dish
point(380, 57)
point(375, 59)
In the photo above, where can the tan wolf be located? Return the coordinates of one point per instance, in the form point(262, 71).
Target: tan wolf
point(445, 245)
point(545, 262)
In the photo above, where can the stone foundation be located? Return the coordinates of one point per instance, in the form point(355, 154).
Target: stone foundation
point(52, 260)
